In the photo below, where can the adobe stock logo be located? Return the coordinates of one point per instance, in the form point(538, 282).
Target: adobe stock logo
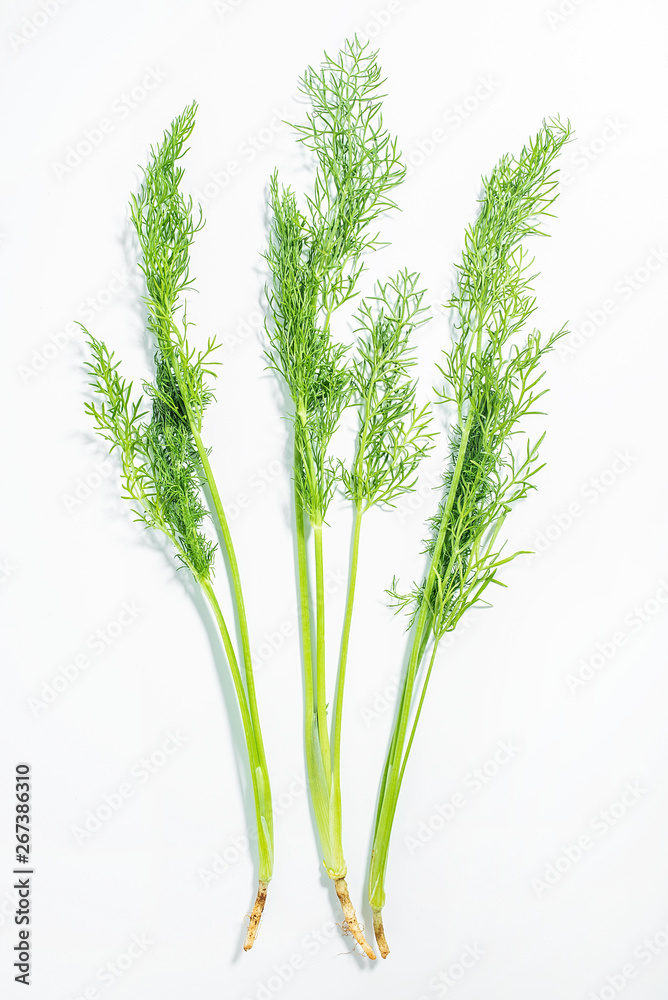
point(97, 642)
point(586, 153)
point(121, 108)
point(591, 492)
point(644, 954)
point(455, 972)
point(141, 772)
point(601, 824)
point(453, 117)
point(473, 782)
point(605, 650)
point(31, 26)
point(624, 290)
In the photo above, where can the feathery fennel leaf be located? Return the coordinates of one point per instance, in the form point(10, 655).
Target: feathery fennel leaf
point(161, 466)
point(393, 435)
point(314, 254)
point(492, 383)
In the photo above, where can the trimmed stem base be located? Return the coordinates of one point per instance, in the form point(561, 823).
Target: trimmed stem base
point(256, 915)
point(351, 918)
point(379, 932)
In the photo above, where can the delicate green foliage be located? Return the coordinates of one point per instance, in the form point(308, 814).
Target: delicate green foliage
point(358, 164)
point(304, 353)
point(178, 477)
point(494, 297)
point(161, 466)
point(393, 435)
point(165, 225)
point(119, 421)
point(314, 256)
point(492, 384)
point(163, 220)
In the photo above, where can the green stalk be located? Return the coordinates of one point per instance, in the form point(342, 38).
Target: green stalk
point(316, 777)
point(341, 678)
point(304, 608)
point(418, 711)
point(243, 705)
point(386, 813)
point(320, 687)
point(259, 770)
point(324, 791)
point(405, 697)
point(240, 609)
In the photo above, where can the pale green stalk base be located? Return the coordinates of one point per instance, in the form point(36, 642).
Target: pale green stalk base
point(254, 741)
point(323, 770)
point(393, 777)
point(259, 777)
point(258, 770)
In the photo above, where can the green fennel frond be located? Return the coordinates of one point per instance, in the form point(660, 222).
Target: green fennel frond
point(161, 466)
point(393, 435)
point(166, 226)
point(493, 383)
point(118, 419)
point(314, 255)
point(358, 163)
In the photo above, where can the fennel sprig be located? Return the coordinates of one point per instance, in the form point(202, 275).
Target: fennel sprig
point(493, 385)
point(393, 437)
point(164, 463)
point(314, 257)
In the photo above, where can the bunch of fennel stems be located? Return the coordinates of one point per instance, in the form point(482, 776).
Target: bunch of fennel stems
point(315, 261)
point(314, 257)
point(165, 467)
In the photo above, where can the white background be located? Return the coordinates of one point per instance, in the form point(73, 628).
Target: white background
point(485, 74)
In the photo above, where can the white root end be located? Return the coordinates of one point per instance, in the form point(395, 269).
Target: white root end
point(351, 919)
point(379, 932)
point(256, 915)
